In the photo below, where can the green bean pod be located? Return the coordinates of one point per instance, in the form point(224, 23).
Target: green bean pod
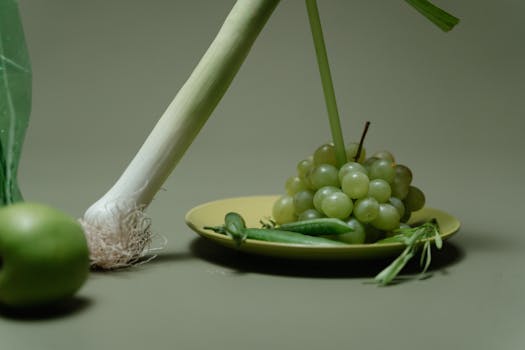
point(235, 227)
point(317, 227)
point(279, 236)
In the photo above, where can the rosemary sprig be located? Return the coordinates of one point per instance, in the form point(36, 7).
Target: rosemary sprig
point(411, 237)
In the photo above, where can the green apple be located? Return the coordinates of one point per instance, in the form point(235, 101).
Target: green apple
point(44, 256)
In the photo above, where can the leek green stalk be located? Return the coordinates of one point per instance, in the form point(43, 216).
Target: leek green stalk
point(117, 230)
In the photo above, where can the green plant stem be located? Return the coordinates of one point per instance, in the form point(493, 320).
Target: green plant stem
point(326, 79)
point(444, 20)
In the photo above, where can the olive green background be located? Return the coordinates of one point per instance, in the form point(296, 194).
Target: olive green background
point(448, 105)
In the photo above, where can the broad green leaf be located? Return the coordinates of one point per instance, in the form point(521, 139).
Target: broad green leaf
point(15, 98)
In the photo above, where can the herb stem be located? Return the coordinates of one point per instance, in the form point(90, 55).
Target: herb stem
point(326, 79)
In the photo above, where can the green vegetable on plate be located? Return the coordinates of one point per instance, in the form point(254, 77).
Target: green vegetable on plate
point(235, 227)
point(314, 227)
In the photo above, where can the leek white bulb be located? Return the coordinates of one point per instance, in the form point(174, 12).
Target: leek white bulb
point(117, 229)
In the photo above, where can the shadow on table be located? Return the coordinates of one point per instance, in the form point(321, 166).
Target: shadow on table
point(246, 263)
point(60, 310)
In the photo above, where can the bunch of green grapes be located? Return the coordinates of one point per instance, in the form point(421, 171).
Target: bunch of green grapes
point(373, 195)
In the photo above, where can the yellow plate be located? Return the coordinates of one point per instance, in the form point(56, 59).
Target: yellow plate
point(254, 208)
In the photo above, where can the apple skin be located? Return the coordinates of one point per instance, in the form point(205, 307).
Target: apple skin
point(44, 257)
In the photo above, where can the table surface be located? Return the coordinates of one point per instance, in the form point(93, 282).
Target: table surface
point(448, 105)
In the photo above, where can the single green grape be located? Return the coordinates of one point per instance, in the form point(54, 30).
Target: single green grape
point(382, 169)
point(309, 214)
point(402, 181)
point(324, 175)
point(399, 187)
point(366, 209)
point(357, 236)
point(295, 184)
point(387, 219)
point(384, 155)
point(415, 199)
point(304, 166)
point(325, 154)
point(398, 204)
point(303, 200)
point(350, 166)
point(404, 173)
point(283, 210)
point(355, 184)
point(337, 205)
point(351, 152)
point(380, 190)
point(321, 193)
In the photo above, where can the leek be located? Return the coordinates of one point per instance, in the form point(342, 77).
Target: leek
point(117, 229)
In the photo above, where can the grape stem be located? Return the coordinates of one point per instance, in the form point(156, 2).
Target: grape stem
point(326, 80)
point(360, 147)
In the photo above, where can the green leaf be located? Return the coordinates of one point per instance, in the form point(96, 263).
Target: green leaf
point(15, 98)
point(444, 20)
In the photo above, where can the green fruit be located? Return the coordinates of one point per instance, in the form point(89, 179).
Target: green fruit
point(44, 256)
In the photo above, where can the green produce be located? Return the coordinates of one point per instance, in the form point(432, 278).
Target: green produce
point(355, 184)
point(317, 227)
point(44, 256)
point(302, 201)
point(235, 227)
point(369, 201)
point(337, 205)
